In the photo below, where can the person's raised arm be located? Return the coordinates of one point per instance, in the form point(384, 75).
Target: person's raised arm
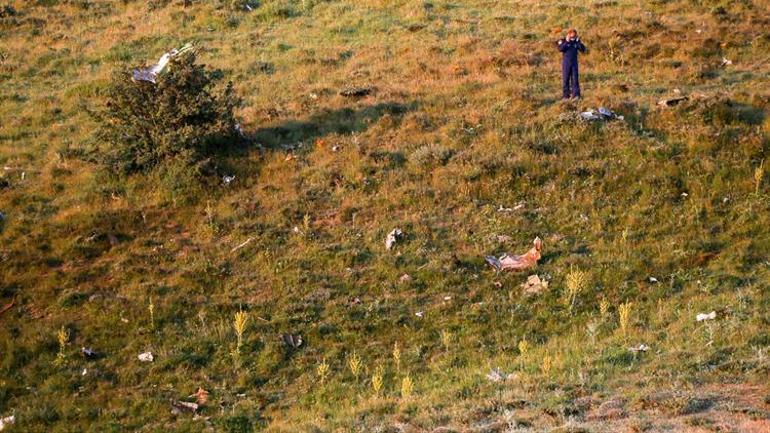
point(580, 46)
point(562, 44)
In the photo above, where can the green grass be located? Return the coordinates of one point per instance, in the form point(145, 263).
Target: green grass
point(464, 119)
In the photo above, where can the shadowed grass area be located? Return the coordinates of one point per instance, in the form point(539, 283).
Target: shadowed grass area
point(462, 143)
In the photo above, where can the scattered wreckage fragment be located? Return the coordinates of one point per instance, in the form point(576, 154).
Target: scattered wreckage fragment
point(151, 73)
point(394, 236)
point(601, 114)
point(517, 263)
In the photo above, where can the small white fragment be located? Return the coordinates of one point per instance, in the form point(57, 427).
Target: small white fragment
point(5, 422)
point(503, 238)
point(146, 357)
point(241, 245)
point(726, 62)
point(684, 194)
point(639, 348)
point(228, 179)
point(393, 237)
point(420, 314)
point(335, 148)
point(653, 280)
point(84, 372)
point(497, 375)
point(706, 316)
point(447, 298)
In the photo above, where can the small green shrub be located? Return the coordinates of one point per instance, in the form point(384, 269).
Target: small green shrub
point(181, 121)
point(237, 424)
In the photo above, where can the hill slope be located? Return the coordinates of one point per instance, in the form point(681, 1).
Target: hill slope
point(461, 143)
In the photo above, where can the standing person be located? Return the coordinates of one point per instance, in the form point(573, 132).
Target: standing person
point(569, 47)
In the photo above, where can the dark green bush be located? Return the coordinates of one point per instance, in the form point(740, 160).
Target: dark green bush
point(181, 121)
point(237, 424)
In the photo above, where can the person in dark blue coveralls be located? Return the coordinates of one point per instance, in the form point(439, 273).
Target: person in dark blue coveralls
point(569, 47)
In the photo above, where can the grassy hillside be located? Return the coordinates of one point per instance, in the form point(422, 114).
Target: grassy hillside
point(464, 145)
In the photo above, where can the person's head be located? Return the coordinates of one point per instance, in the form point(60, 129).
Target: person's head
point(572, 34)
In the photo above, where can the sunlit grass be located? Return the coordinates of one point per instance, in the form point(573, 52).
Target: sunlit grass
point(464, 120)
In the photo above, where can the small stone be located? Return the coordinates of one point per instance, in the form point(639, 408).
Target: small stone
point(534, 285)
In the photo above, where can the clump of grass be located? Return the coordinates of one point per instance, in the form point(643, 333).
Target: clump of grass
point(604, 307)
point(577, 281)
point(355, 364)
point(446, 339)
point(210, 221)
point(523, 346)
point(624, 317)
point(546, 365)
point(377, 380)
point(151, 311)
point(63, 337)
point(759, 175)
point(239, 324)
point(407, 387)
point(322, 371)
point(397, 356)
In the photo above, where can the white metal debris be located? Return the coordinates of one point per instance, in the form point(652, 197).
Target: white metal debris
point(151, 74)
point(146, 357)
point(601, 114)
point(639, 348)
point(393, 237)
point(497, 375)
point(293, 341)
point(503, 238)
point(706, 316)
point(670, 102)
point(178, 407)
point(5, 422)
